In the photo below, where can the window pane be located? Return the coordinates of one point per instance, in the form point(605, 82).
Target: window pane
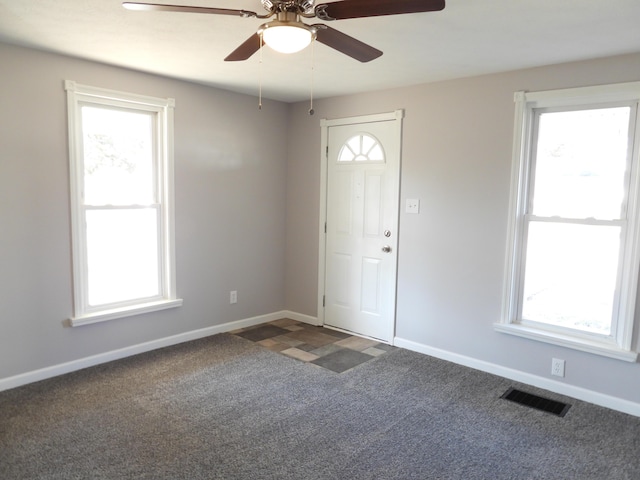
point(570, 275)
point(346, 155)
point(122, 255)
point(376, 153)
point(580, 163)
point(118, 157)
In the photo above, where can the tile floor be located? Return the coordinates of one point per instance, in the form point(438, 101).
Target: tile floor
point(330, 349)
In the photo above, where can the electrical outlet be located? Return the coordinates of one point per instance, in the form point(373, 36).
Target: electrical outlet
point(233, 296)
point(557, 367)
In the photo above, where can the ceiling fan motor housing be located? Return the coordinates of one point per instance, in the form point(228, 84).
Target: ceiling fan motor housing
point(301, 6)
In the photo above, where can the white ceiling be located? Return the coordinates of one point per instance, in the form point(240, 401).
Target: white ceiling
point(469, 37)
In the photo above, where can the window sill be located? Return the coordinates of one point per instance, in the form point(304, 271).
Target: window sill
point(585, 345)
point(128, 311)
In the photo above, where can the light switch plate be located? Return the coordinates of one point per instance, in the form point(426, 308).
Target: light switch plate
point(412, 205)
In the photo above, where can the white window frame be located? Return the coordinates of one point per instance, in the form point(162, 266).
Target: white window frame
point(162, 108)
point(619, 344)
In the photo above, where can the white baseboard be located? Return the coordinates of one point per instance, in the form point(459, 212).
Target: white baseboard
point(60, 369)
point(301, 318)
point(579, 393)
point(590, 396)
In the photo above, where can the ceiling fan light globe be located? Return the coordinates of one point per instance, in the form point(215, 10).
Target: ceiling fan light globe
point(287, 38)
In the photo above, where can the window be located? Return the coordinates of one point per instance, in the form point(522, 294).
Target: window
point(574, 239)
point(361, 148)
point(121, 166)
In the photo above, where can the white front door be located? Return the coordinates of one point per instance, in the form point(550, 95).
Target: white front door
point(362, 189)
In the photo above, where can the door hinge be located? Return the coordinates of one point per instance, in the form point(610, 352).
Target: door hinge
point(323, 300)
point(326, 151)
point(325, 227)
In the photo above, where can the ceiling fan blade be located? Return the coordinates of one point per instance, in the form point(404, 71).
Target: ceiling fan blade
point(374, 8)
point(346, 44)
point(250, 46)
point(182, 8)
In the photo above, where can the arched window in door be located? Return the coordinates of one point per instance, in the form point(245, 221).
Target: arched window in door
point(361, 148)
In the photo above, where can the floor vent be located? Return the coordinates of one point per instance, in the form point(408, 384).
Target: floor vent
point(534, 401)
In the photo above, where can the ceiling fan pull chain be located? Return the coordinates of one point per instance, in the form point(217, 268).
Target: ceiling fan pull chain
point(311, 112)
point(260, 75)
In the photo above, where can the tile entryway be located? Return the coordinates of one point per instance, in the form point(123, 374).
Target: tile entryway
point(330, 349)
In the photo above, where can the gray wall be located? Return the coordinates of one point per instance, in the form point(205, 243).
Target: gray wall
point(230, 174)
point(247, 213)
point(457, 144)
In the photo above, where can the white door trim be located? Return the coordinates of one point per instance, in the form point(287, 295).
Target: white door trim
point(324, 125)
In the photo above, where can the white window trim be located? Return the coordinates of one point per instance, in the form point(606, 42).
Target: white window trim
point(619, 345)
point(76, 94)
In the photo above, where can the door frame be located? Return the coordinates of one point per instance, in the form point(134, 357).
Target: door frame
point(397, 116)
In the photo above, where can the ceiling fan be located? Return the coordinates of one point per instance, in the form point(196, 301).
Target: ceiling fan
point(288, 34)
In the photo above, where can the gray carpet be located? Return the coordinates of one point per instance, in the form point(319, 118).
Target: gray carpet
point(225, 408)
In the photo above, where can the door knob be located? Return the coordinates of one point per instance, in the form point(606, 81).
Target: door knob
point(386, 249)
